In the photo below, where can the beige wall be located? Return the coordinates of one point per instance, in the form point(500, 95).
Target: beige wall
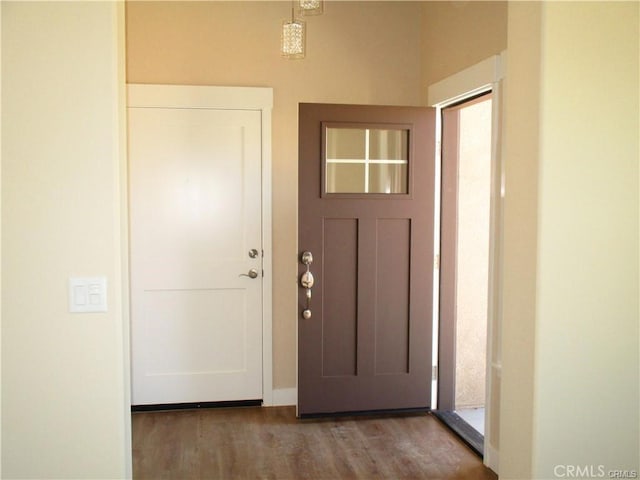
point(356, 53)
point(570, 338)
point(587, 306)
point(64, 376)
point(458, 34)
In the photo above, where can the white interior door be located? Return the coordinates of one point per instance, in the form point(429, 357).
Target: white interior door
point(195, 210)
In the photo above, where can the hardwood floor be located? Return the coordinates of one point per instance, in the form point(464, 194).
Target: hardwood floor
point(270, 443)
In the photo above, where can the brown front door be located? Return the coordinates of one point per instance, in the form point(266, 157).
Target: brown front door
point(366, 214)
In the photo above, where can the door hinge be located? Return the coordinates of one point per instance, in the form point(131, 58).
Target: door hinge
point(434, 372)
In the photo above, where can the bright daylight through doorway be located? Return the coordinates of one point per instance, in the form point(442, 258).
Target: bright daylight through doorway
point(474, 183)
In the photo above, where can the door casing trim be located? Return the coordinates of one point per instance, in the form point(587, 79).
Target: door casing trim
point(230, 98)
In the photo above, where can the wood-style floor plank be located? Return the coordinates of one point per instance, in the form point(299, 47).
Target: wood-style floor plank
point(270, 443)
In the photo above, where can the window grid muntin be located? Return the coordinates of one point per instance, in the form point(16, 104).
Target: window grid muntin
point(366, 161)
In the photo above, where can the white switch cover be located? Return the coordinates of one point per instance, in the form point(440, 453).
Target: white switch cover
point(87, 294)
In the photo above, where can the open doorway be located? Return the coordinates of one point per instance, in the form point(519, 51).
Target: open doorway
point(465, 257)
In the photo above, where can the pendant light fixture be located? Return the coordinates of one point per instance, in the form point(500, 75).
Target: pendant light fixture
point(311, 7)
point(293, 37)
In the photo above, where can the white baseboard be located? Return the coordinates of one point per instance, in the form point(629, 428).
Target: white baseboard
point(284, 397)
point(491, 458)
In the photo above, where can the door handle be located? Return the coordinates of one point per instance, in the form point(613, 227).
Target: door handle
point(253, 273)
point(306, 282)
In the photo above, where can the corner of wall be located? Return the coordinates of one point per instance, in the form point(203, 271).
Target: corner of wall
point(521, 163)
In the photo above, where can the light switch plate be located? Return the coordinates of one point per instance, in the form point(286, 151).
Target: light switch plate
point(87, 294)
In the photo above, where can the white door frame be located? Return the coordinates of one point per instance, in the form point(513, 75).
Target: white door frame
point(482, 77)
point(230, 98)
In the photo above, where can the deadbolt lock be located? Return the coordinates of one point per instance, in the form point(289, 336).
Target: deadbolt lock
point(307, 258)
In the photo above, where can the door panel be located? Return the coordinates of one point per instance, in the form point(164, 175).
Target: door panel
point(367, 345)
point(340, 317)
point(195, 209)
point(393, 258)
